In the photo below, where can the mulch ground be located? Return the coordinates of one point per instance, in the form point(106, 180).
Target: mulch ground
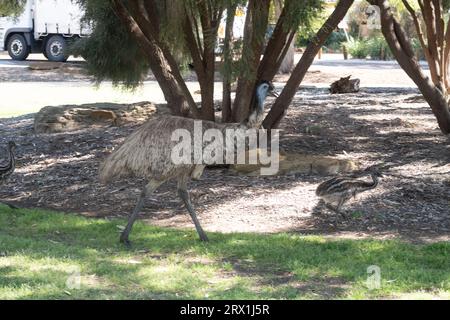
point(393, 128)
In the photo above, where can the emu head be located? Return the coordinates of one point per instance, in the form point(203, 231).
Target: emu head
point(263, 89)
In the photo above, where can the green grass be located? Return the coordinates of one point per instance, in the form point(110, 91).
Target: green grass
point(42, 251)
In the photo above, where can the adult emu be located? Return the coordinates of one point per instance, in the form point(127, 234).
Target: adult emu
point(147, 153)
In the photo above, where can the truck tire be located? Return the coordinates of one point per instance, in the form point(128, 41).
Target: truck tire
point(18, 48)
point(56, 49)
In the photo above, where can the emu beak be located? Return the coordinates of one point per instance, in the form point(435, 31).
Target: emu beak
point(274, 94)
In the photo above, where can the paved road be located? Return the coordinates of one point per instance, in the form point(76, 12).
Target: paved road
point(6, 61)
point(27, 97)
point(17, 98)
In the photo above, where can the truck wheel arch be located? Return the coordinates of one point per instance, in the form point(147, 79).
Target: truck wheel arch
point(23, 31)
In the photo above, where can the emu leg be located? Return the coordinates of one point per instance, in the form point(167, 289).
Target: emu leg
point(149, 189)
point(184, 195)
point(338, 208)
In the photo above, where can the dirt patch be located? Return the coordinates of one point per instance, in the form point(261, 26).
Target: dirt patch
point(375, 126)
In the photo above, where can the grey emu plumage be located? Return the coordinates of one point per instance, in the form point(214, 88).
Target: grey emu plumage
point(147, 153)
point(8, 168)
point(336, 191)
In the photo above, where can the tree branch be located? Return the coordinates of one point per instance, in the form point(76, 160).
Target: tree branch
point(284, 100)
point(228, 64)
point(162, 65)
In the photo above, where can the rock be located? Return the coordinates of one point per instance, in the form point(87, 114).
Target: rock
point(65, 118)
point(292, 163)
point(345, 85)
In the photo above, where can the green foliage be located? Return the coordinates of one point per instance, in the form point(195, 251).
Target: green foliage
point(11, 7)
point(446, 4)
point(172, 13)
point(418, 50)
point(111, 52)
point(304, 14)
point(358, 48)
point(335, 40)
point(41, 250)
point(308, 28)
point(375, 48)
point(373, 41)
point(378, 49)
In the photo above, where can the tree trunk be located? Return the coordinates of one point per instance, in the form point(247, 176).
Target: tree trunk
point(254, 32)
point(227, 64)
point(203, 51)
point(210, 19)
point(288, 62)
point(278, 45)
point(282, 103)
point(166, 72)
point(403, 52)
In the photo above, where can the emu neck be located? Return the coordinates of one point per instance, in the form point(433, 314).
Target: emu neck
point(254, 118)
point(260, 98)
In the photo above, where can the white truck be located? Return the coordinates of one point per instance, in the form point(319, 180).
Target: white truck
point(44, 26)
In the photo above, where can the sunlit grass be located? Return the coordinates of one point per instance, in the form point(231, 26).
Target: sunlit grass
point(43, 254)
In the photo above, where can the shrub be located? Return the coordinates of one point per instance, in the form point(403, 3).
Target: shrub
point(358, 49)
point(378, 49)
point(335, 41)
